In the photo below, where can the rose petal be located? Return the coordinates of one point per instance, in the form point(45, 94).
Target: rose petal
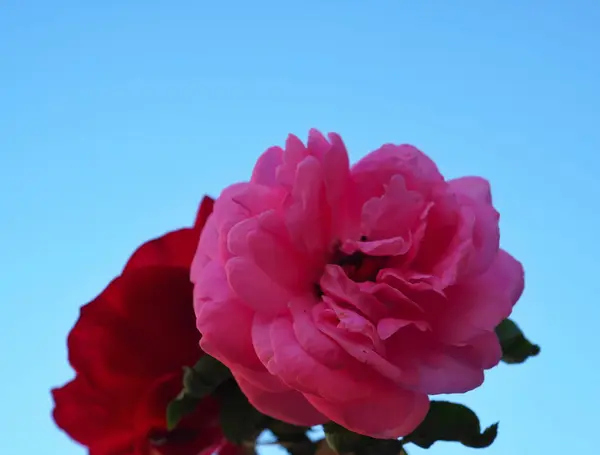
point(174, 249)
point(390, 412)
point(255, 288)
point(290, 406)
point(376, 169)
point(89, 419)
point(208, 246)
point(364, 345)
point(223, 337)
point(265, 170)
point(446, 372)
point(308, 218)
point(301, 371)
point(475, 192)
point(264, 241)
point(394, 246)
point(389, 326)
point(335, 283)
point(316, 344)
point(479, 305)
point(476, 188)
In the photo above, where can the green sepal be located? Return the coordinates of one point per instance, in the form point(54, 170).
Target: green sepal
point(179, 407)
point(199, 381)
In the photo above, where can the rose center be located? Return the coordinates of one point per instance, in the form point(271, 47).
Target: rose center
point(358, 266)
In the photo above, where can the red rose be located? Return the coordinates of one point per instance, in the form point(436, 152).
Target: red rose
point(128, 349)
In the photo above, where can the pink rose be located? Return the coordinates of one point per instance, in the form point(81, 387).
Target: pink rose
point(351, 294)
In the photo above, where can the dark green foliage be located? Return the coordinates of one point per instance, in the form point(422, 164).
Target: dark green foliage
point(447, 421)
point(515, 347)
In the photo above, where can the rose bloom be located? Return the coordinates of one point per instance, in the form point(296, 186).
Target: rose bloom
point(128, 349)
point(351, 294)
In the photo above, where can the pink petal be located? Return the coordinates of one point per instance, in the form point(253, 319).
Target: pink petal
point(475, 191)
point(298, 369)
point(476, 188)
point(446, 372)
point(265, 170)
point(294, 153)
point(387, 247)
point(225, 338)
point(458, 369)
point(316, 344)
point(407, 291)
point(390, 412)
point(335, 283)
point(375, 170)
point(480, 304)
point(393, 214)
point(484, 350)
point(255, 288)
point(291, 406)
point(264, 241)
point(450, 265)
point(389, 326)
point(336, 171)
point(317, 144)
point(352, 322)
point(208, 246)
point(334, 162)
point(360, 344)
point(237, 203)
point(309, 217)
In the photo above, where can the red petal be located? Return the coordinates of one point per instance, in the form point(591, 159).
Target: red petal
point(141, 327)
point(91, 419)
point(174, 249)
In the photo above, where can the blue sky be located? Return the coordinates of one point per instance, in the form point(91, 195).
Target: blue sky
point(116, 117)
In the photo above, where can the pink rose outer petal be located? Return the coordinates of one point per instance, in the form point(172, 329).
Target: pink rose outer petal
point(278, 405)
point(377, 416)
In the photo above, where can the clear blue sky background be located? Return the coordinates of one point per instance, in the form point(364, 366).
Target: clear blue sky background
point(117, 116)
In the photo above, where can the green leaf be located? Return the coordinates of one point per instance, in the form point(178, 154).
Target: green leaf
point(204, 377)
point(240, 421)
point(383, 447)
point(199, 381)
point(447, 421)
point(515, 347)
point(344, 441)
point(293, 438)
point(178, 408)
